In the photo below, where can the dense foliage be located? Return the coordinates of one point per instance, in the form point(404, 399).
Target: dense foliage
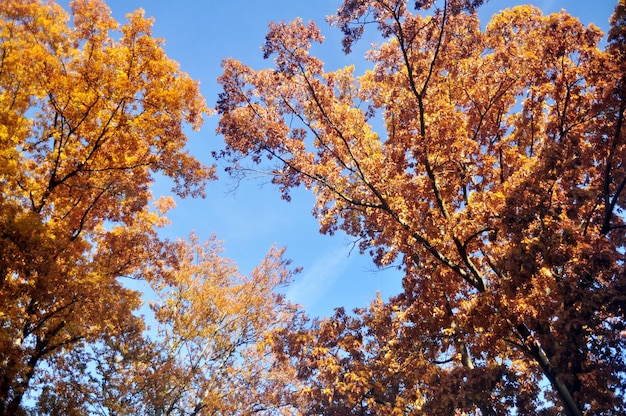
point(489, 165)
point(90, 112)
point(485, 162)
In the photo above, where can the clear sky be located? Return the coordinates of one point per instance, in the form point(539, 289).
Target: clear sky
point(199, 34)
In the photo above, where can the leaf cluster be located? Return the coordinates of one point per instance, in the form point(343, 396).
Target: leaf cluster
point(90, 112)
point(487, 164)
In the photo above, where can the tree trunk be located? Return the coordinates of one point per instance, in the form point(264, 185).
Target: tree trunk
point(569, 405)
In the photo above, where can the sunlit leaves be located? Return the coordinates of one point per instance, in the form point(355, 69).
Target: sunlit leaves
point(210, 353)
point(88, 115)
point(488, 165)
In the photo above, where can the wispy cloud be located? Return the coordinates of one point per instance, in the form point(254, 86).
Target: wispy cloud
point(310, 287)
point(547, 6)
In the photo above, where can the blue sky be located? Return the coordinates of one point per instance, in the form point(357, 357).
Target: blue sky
point(199, 34)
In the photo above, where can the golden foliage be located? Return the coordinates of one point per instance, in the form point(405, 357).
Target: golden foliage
point(89, 112)
point(489, 164)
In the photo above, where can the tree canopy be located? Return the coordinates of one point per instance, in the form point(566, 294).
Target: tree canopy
point(484, 161)
point(488, 164)
point(90, 113)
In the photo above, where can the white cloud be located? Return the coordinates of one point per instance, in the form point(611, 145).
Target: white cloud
point(316, 280)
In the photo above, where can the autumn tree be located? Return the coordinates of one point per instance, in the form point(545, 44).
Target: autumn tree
point(88, 114)
point(215, 337)
point(210, 352)
point(487, 164)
